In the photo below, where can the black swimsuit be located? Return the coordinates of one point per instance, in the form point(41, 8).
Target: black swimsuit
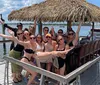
point(61, 61)
point(19, 48)
point(71, 44)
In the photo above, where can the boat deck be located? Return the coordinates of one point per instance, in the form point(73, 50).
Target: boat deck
point(90, 77)
point(23, 82)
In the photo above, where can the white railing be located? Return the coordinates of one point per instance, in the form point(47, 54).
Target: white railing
point(64, 80)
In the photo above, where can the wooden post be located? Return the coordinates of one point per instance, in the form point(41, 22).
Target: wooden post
point(69, 24)
point(3, 31)
point(40, 27)
point(92, 30)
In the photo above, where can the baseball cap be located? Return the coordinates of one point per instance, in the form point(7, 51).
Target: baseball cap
point(19, 24)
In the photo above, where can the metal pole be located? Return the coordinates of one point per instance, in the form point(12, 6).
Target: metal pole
point(7, 72)
point(78, 80)
point(42, 79)
point(61, 83)
point(92, 30)
point(69, 24)
point(40, 27)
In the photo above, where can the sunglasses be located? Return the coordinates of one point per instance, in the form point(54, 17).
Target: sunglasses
point(19, 33)
point(60, 32)
point(46, 30)
point(32, 37)
point(70, 33)
point(48, 37)
point(60, 40)
point(26, 34)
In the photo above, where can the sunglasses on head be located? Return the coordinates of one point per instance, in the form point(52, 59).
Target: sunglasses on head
point(19, 33)
point(70, 33)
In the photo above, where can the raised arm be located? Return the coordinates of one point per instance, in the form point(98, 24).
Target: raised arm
point(32, 30)
point(6, 26)
point(13, 29)
point(6, 36)
point(75, 41)
point(52, 32)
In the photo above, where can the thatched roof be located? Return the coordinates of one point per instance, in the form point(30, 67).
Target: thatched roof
point(58, 10)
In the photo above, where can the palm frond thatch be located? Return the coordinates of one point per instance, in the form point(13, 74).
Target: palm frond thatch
point(58, 10)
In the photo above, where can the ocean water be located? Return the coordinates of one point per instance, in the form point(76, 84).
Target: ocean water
point(83, 32)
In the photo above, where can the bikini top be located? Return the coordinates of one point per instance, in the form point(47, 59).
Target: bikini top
point(26, 58)
point(59, 49)
point(30, 51)
point(39, 47)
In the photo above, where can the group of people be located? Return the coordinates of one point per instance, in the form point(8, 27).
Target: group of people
point(50, 48)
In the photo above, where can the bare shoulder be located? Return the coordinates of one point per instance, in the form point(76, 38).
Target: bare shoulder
point(24, 60)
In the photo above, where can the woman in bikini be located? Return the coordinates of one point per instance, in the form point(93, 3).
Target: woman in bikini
point(40, 48)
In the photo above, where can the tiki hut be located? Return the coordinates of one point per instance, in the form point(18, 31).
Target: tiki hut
point(58, 10)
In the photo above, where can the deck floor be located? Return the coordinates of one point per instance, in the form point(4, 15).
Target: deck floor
point(90, 77)
point(2, 73)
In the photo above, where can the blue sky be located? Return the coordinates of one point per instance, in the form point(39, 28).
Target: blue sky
point(6, 6)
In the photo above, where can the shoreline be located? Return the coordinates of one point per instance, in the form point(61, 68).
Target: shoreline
point(62, 24)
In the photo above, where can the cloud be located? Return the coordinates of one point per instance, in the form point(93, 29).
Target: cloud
point(30, 2)
point(9, 5)
point(6, 6)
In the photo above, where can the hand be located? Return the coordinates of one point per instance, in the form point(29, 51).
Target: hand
point(2, 22)
point(5, 25)
point(61, 55)
point(10, 32)
point(54, 53)
point(52, 29)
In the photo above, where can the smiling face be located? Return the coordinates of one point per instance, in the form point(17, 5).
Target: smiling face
point(45, 30)
point(39, 38)
point(26, 34)
point(60, 32)
point(60, 40)
point(48, 37)
point(71, 34)
point(32, 38)
point(19, 33)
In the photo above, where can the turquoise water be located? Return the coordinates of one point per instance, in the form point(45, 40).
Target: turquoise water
point(83, 32)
